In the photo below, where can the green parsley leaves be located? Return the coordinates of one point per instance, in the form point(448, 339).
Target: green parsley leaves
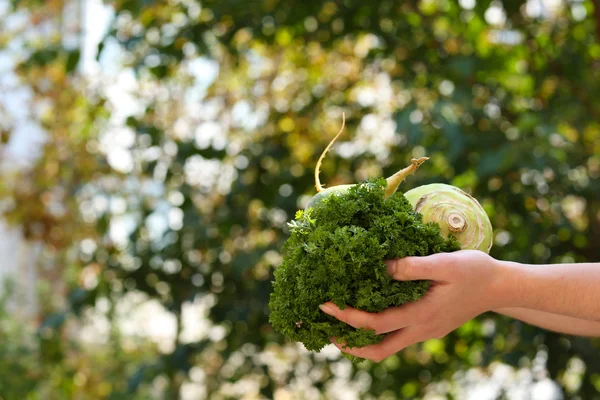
point(336, 252)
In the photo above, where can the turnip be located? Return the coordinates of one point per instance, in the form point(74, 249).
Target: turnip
point(392, 182)
point(457, 212)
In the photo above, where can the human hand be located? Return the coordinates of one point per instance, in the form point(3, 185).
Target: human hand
point(464, 284)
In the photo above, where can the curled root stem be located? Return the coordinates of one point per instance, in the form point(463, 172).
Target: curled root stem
point(318, 166)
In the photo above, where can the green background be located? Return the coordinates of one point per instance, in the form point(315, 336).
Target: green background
point(505, 103)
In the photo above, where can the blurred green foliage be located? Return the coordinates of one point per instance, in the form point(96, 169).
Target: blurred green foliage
point(506, 105)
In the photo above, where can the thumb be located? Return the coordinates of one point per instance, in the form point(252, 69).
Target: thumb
point(417, 268)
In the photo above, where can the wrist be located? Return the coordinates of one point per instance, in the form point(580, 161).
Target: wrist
point(510, 284)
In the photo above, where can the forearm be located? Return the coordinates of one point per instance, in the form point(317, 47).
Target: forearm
point(566, 289)
point(553, 322)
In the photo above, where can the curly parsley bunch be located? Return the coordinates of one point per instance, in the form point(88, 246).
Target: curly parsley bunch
point(336, 252)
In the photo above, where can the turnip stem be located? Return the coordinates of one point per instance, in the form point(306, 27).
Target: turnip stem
point(395, 180)
point(318, 166)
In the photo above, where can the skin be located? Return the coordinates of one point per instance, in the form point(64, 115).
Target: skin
point(561, 297)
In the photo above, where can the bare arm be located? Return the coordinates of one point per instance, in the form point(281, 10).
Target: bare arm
point(553, 322)
point(561, 297)
point(566, 289)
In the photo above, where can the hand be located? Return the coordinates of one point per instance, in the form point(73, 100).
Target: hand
point(464, 284)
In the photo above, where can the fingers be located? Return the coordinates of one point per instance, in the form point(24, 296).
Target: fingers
point(389, 320)
point(434, 267)
point(393, 343)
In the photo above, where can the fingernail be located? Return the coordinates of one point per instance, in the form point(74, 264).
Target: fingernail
point(327, 308)
point(391, 267)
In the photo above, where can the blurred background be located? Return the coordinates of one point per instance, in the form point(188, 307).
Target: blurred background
point(151, 153)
